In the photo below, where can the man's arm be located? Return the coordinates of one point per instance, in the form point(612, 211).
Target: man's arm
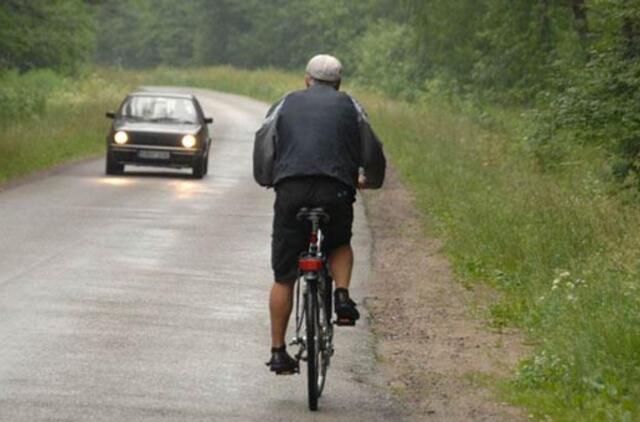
point(264, 147)
point(372, 158)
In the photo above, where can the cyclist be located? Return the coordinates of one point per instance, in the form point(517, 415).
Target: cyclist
point(315, 148)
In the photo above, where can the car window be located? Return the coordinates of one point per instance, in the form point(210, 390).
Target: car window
point(160, 109)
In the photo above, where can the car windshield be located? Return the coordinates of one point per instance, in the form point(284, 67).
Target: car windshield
point(160, 109)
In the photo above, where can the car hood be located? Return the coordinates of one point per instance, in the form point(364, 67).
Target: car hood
point(172, 128)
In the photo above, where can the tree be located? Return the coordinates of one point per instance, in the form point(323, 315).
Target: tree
point(579, 9)
point(45, 33)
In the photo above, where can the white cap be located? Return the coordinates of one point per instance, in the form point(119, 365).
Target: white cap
point(324, 67)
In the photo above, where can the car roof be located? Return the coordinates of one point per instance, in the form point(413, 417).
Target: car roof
point(161, 94)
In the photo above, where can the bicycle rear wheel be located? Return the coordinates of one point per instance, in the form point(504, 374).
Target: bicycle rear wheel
point(313, 344)
point(325, 330)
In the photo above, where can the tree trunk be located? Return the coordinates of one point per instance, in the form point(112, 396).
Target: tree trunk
point(545, 24)
point(580, 20)
point(631, 36)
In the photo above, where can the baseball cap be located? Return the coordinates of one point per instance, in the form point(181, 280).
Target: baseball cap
point(324, 67)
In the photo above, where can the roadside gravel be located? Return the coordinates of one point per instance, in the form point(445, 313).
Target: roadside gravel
point(439, 358)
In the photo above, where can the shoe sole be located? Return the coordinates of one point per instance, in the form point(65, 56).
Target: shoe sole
point(345, 322)
point(286, 371)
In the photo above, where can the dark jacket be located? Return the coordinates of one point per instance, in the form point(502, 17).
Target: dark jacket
point(317, 132)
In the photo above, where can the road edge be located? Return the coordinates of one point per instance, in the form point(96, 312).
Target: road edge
point(47, 172)
point(432, 343)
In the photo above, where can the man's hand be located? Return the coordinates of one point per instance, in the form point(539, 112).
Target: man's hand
point(362, 181)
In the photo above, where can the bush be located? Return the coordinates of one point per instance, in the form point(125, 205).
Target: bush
point(47, 120)
point(595, 100)
point(23, 96)
point(38, 34)
point(384, 59)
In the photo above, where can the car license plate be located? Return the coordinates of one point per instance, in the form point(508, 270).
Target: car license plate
point(154, 155)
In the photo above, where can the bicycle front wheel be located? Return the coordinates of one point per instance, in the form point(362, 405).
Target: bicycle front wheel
point(313, 344)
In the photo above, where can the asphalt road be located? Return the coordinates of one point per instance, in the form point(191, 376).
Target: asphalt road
point(143, 297)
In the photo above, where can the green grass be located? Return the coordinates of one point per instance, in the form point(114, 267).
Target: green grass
point(563, 251)
point(524, 231)
point(68, 124)
point(266, 84)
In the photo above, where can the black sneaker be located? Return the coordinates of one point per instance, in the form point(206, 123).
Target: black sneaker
point(281, 363)
point(346, 312)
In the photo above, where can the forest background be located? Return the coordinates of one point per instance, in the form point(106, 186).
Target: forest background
point(515, 122)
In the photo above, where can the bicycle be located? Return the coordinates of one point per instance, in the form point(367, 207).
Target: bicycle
point(316, 343)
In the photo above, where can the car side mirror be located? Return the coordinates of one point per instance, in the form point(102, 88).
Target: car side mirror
point(110, 114)
point(208, 120)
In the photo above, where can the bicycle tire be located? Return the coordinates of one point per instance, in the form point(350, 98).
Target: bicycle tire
point(311, 317)
point(324, 330)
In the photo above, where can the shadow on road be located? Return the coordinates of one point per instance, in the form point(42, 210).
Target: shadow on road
point(156, 174)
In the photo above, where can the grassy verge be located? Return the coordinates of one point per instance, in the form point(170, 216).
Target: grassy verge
point(562, 251)
point(48, 120)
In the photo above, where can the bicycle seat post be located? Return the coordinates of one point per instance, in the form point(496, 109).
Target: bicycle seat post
point(315, 216)
point(313, 241)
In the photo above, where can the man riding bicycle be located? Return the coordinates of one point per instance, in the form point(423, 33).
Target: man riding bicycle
point(315, 148)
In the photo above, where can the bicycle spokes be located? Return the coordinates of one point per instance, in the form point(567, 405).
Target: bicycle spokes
point(314, 330)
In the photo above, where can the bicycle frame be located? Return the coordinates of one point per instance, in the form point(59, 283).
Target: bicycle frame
point(316, 340)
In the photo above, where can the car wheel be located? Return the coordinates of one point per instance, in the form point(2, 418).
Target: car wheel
point(206, 164)
point(199, 168)
point(113, 167)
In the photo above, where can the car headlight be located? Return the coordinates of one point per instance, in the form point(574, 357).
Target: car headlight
point(121, 137)
point(188, 141)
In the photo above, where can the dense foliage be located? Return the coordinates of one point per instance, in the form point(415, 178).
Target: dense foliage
point(43, 33)
point(251, 33)
point(574, 62)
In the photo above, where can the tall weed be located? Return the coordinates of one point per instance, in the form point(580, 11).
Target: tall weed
point(24, 96)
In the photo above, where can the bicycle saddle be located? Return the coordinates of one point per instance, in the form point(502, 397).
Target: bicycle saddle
point(313, 213)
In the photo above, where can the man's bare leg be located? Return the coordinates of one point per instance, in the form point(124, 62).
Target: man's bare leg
point(281, 298)
point(280, 305)
point(341, 264)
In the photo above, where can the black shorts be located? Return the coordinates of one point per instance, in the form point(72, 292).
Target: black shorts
point(291, 237)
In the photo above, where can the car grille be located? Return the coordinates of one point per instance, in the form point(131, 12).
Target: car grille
point(156, 139)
